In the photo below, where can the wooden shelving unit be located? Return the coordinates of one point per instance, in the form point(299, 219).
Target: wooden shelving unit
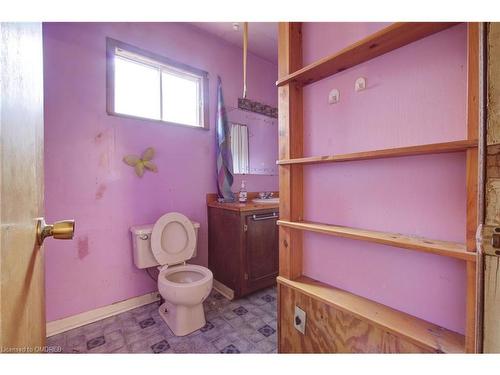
point(444, 248)
point(388, 39)
point(292, 78)
point(428, 149)
point(418, 331)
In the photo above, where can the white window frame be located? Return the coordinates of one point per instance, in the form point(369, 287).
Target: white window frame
point(126, 51)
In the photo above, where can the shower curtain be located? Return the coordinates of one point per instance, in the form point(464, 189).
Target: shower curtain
point(224, 160)
point(239, 148)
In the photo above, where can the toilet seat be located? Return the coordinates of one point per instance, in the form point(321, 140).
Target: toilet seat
point(173, 239)
point(179, 276)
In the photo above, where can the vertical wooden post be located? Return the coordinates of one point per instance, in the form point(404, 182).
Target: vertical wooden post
point(290, 146)
point(491, 325)
point(473, 80)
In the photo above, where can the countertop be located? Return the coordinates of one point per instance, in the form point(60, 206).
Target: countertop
point(242, 207)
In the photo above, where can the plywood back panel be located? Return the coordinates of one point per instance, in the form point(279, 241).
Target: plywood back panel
point(329, 330)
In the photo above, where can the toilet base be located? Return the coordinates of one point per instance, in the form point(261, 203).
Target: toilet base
point(182, 320)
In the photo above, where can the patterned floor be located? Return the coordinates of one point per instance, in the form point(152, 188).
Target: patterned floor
point(247, 325)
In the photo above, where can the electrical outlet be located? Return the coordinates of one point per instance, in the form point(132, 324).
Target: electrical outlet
point(299, 320)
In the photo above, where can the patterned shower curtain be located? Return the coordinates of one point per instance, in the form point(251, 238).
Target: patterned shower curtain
point(224, 160)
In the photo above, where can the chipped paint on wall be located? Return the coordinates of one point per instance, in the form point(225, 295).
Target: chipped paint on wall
point(100, 191)
point(493, 133)
point(491, 326)
point(83, 247)
point(493, 201)
point(493, 161)
point(493, 127)
point(493, 184)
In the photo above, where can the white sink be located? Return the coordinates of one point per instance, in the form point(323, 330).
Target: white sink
point(268, 201)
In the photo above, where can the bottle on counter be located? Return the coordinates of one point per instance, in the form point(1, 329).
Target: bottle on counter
point(242, 196)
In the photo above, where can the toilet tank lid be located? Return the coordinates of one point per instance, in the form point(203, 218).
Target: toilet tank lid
point(148, 228)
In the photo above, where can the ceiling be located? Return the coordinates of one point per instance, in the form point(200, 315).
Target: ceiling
point(262, 36)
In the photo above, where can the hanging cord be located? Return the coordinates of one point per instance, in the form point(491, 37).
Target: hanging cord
point(245, 50)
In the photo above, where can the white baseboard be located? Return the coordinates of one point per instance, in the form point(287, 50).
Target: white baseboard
point(223, 289)
point(75, 321)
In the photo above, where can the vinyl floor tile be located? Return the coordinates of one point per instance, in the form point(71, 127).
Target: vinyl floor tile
point(238, 326)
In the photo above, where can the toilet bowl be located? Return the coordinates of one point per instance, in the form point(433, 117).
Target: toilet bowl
point(170, 242)
point(184, 289)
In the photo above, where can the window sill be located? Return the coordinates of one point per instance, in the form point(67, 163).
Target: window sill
point(160, 122)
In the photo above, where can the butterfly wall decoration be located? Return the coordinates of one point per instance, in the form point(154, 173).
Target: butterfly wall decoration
point(143, 162)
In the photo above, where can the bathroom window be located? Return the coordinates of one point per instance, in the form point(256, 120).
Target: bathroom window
point(143, 85)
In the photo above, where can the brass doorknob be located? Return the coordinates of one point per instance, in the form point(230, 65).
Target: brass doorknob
point(60, 230)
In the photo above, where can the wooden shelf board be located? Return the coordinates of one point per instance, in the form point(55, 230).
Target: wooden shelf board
point(416, 330)
point(388, 39)
point(444, 248)
point(434, 148)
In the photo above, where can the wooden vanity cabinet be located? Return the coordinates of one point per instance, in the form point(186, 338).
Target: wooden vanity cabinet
point(243, 248)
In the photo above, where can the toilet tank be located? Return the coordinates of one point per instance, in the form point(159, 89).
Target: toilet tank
point(141, 245)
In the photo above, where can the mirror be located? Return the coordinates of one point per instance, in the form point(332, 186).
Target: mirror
point(254, 142)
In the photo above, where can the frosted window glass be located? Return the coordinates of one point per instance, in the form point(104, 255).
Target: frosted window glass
point(137, 89)
point(180, 99)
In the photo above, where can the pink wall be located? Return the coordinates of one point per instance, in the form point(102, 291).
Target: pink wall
point(85, 177)
point(415, 95)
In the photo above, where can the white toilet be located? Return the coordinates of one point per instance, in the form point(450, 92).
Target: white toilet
point(170, 242)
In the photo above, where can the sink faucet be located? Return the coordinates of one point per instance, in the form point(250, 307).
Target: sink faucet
point(265, 195)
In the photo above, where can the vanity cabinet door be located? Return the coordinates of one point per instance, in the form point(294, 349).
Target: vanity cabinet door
point(261, 250)
point(225, 243)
